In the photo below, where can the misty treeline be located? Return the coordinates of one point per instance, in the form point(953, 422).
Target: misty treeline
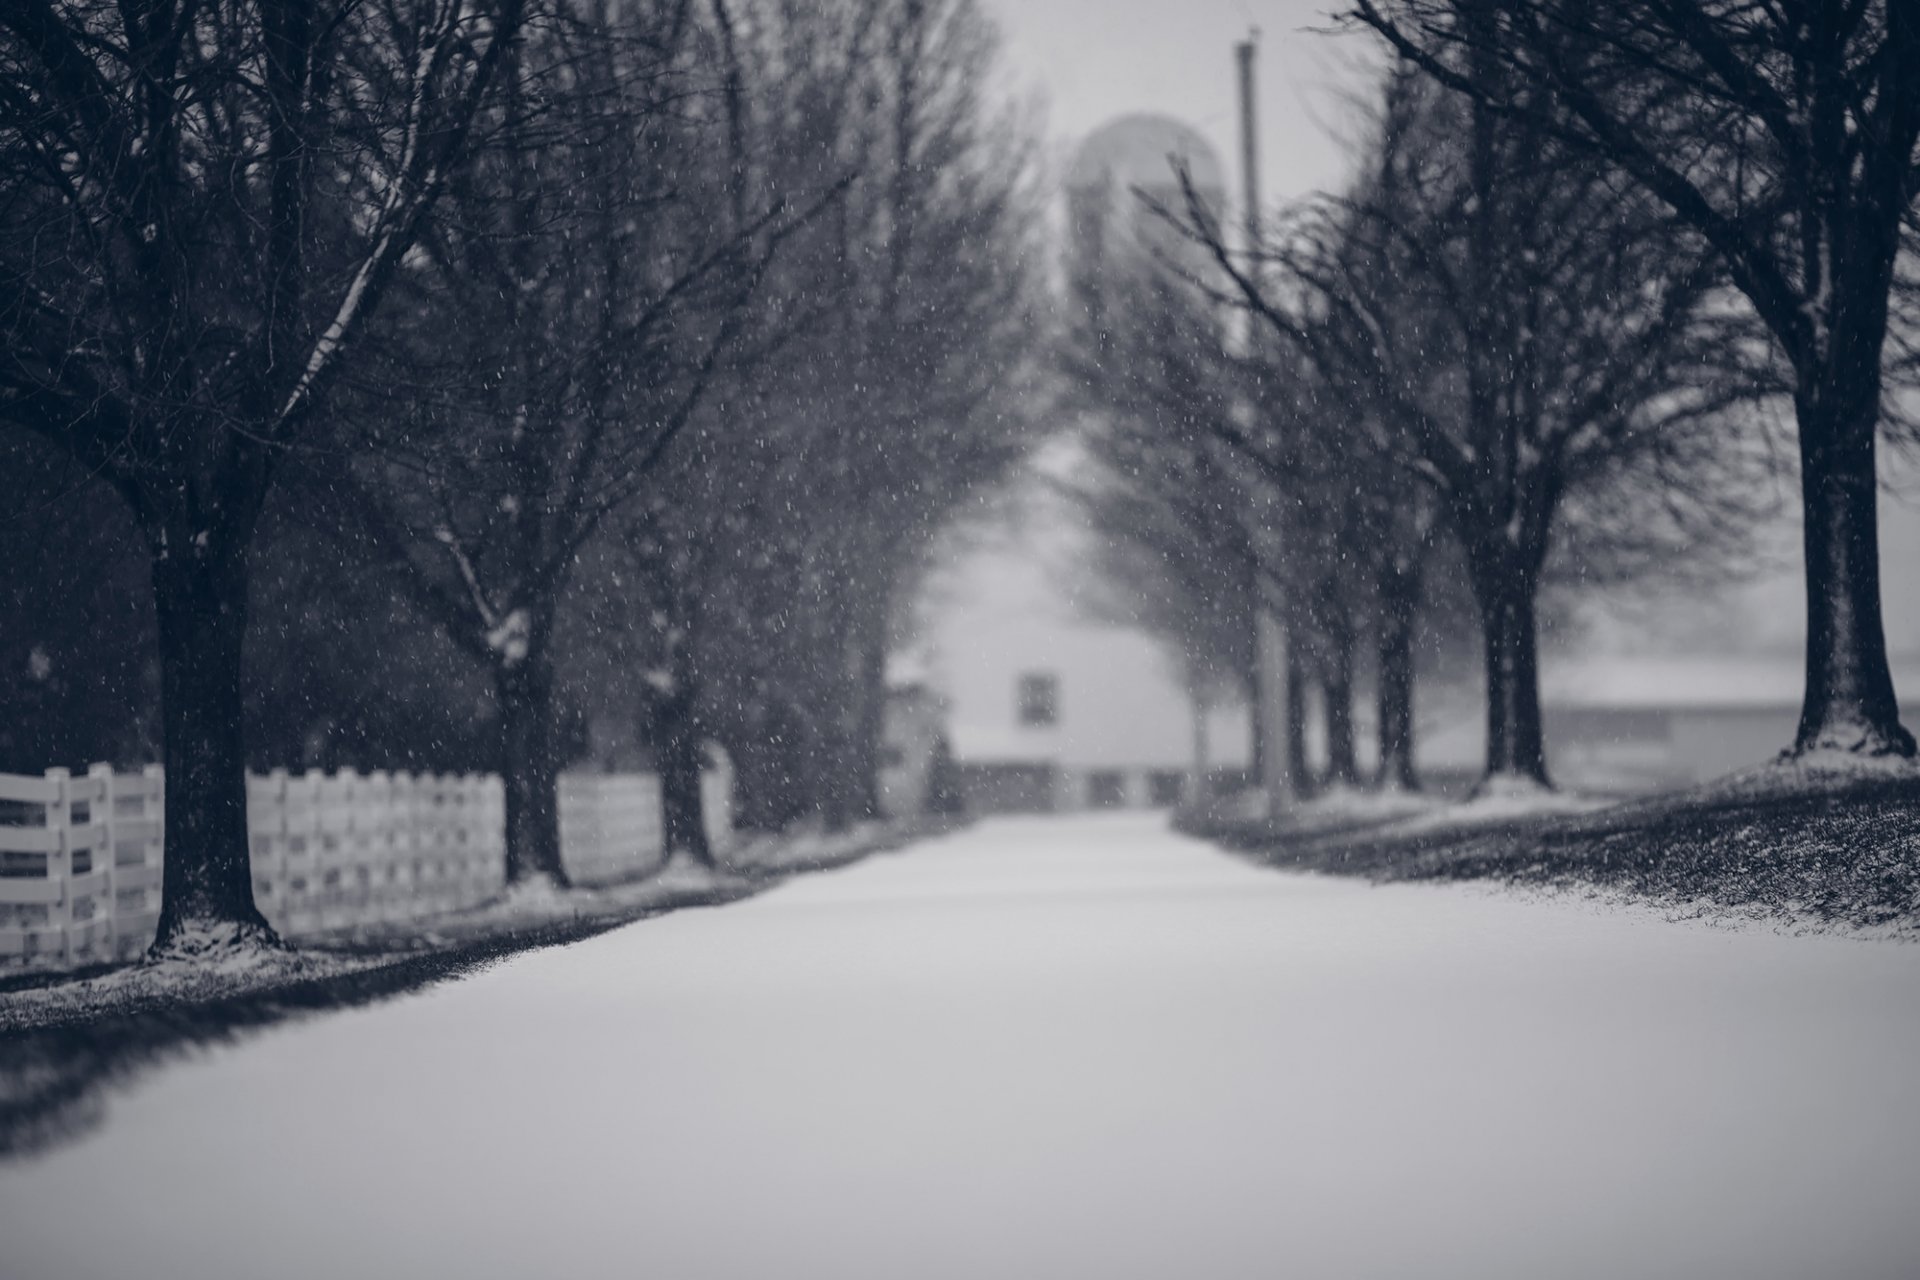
point(471, 384)
point(1590, 252)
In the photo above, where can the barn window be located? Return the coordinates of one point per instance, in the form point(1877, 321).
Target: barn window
point(1039, 698)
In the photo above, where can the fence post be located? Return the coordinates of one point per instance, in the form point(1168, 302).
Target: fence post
point(105, 817)
point(59, 813)
point(153, 810)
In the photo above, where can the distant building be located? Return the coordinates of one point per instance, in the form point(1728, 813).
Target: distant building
point(1648, 723)
point(1047, 711)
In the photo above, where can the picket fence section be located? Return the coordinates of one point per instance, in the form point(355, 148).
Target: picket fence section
point(610, 822)
point(81, 857)
point(79, 864)
point(350, 848)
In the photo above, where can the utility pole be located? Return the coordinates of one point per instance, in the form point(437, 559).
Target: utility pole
point(1267, 700)
point(1246, 51)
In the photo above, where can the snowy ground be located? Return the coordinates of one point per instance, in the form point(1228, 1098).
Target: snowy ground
point(1046, 1048)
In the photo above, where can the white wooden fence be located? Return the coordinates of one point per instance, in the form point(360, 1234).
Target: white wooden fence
point(351, 848)
point(610, 823)
point(79, 863)
point(80, 857)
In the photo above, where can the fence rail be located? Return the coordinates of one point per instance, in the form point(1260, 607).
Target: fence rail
point(81, 857)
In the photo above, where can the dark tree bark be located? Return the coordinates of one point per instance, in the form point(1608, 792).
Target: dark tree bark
point(835, 711)
point(870, 689)
point(200, 594)
point(676, 724)
point(1336, 686)
point(680, 750)
point(683, 808)
point(770, 768)
point(826, 773)
point(1850, 703)
point(1505, 575)
point(755, 788)
point(1399, 600)
point(1299, 764)
point(530, 766)
point(1256, 677)
point(1506, 588)
point(836, 787)
point(809, 768)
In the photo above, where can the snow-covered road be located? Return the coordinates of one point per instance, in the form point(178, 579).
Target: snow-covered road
point(1046, 1048)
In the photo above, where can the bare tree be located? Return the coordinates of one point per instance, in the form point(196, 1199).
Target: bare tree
point(204, 205)
point(896, 396)
point(1511, 321)
point(1350, 534)
point(1236, 459)
point(676, 557)
point(1784, 136)
point(572, 304)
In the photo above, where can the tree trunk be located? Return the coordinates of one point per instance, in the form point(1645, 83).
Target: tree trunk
point(755, 784)
point(810, 766)
point(825, 767)
point(680, 755)
point(871, 691)
point(1299, 765)
point(530, 765)
point(836, 716)
point(1202, 789)
point(1516, 748)
point(1256, 675)
point(837, 781)
point(206, 893)
point(1336, 688)
point(767, 767)
point(1399, 595)
point(1272, 644)
point(1493, 520)
point(1850, 704)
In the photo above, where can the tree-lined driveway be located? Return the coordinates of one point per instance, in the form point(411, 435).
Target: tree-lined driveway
point(1073, 1047)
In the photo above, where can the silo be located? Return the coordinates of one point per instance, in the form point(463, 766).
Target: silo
point(1107, 222)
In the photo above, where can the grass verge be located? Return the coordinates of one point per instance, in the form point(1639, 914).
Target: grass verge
point(1779, 845)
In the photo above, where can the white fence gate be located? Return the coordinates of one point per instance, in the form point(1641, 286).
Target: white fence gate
point(81, 857)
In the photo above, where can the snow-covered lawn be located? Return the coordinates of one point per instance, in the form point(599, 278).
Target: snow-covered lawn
point(1046, 1048)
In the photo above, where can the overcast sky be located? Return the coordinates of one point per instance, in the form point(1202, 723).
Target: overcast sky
point(1097, 59)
